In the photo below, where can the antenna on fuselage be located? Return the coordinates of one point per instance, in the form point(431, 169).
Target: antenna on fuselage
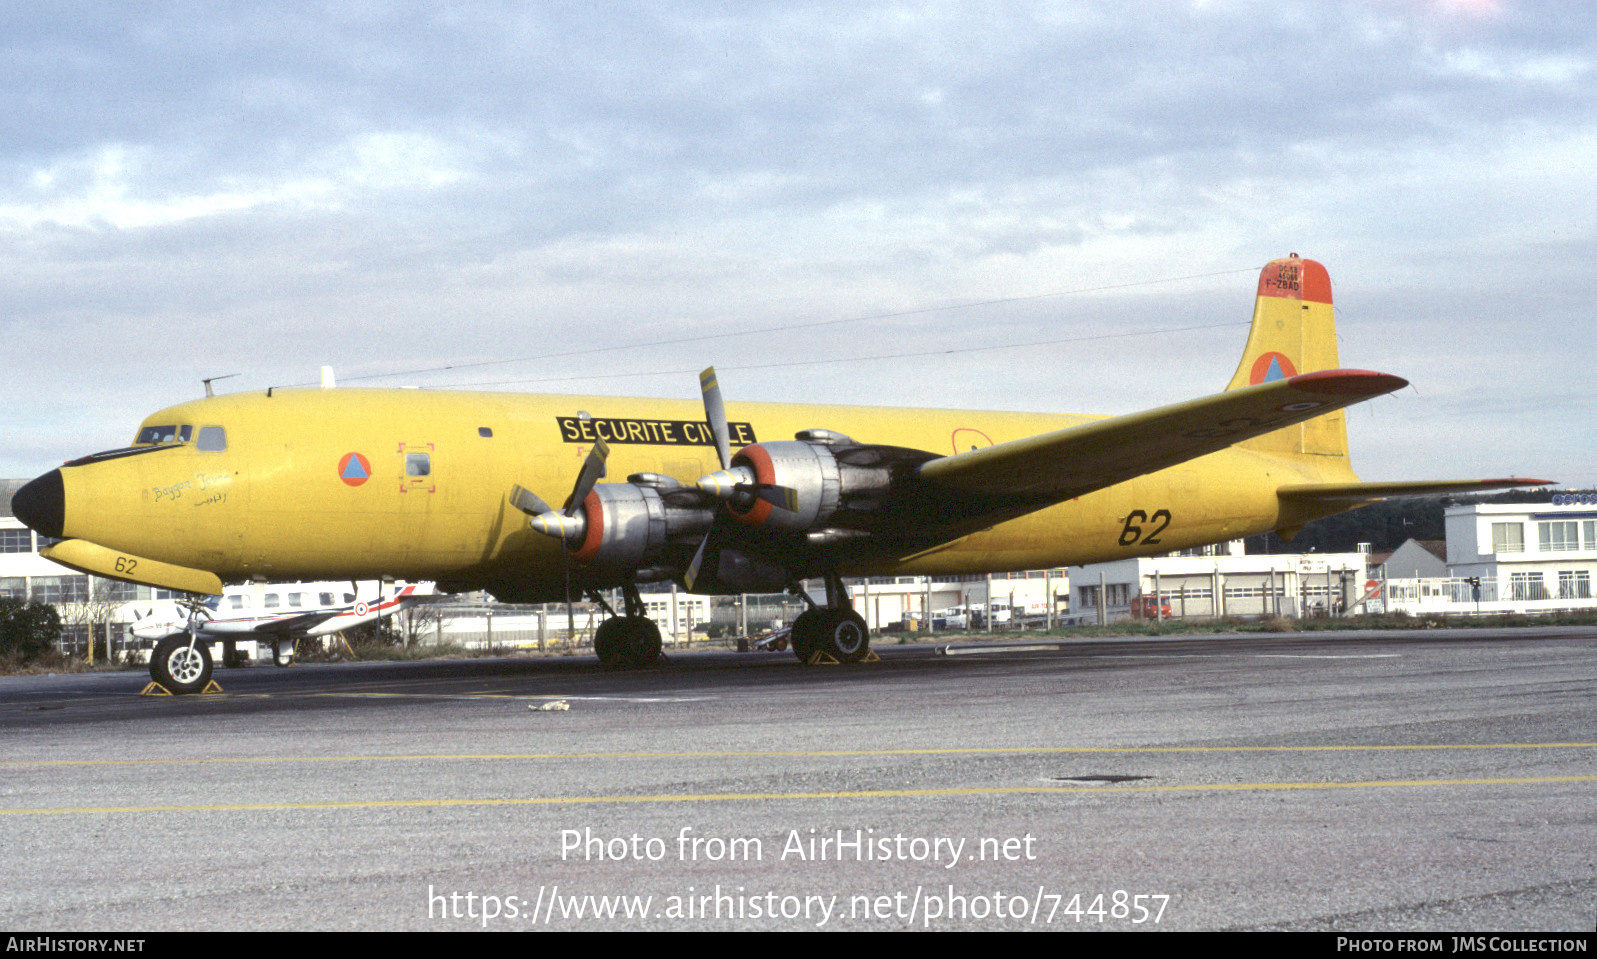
point(211, 379)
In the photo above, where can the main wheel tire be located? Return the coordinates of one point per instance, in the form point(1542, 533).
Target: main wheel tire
point(645, 641)
point(283, 652)
point(804, 634)
point(611, 645)
point(845, 636)
point(180, 669)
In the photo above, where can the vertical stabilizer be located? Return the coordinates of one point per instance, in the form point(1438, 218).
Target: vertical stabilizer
point(1294, 331)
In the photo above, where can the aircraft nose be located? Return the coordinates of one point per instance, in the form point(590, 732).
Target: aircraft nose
point(41, 504)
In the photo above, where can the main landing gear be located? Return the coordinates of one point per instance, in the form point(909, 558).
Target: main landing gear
point(834, 629)
point(631, 641)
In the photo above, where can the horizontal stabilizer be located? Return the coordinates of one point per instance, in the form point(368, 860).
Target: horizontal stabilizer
point(1079, 459)
point(1365, 492)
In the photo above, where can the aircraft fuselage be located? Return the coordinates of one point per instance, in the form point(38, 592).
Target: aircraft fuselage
point(357, 483)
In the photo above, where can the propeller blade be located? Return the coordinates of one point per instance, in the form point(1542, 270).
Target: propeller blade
point(715, 413)
point(528, 502)
point(698, 559)
point(592, 469)
point(782, 497)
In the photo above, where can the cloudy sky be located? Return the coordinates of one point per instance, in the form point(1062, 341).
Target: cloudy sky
point(1058, 206)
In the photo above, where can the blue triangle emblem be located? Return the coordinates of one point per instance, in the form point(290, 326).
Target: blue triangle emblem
point(353, 470)
point(1274, 372)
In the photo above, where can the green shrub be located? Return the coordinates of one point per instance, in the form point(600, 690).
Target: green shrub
point(27, 630)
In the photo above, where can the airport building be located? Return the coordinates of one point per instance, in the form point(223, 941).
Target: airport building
point(1508, 558)
point(1216, 581)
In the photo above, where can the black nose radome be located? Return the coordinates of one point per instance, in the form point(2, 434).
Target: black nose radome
point(41, 505)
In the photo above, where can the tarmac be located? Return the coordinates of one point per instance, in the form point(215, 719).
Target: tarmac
point(1408, 781)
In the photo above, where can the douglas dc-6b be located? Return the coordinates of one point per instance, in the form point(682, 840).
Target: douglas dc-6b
point(441, 485)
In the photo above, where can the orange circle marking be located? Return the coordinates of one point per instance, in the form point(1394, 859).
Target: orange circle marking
point(354, 469)
point(1271, 366)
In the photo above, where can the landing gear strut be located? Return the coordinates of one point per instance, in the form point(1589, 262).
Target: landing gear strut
point(834, 629)
point(631, 641)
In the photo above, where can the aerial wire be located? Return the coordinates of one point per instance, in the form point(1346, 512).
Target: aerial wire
point(895, 314)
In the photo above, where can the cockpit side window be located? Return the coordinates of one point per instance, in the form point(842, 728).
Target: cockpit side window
point(213, 439)
point(418, 464)
point(159, 434)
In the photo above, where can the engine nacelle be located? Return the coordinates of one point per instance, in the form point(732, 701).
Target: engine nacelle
point(627, 526)
point(821, 483)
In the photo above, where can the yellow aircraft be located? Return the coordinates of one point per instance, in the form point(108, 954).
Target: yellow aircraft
point(436, 485)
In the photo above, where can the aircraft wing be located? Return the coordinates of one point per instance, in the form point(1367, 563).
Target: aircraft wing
point(1077, 460)
point(294, 624)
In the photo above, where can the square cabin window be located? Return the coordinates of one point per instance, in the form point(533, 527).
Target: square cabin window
point(213, 439)
point(418, 464)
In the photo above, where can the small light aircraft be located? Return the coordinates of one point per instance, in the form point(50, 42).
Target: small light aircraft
point(442, 485)
point(275, 614)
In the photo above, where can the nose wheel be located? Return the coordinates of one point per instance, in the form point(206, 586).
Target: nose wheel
point(181, 665)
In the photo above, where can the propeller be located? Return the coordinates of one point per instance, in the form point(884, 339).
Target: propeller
point(569, 523)
point(734, 483)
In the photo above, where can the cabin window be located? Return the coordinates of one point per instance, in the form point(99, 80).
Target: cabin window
point(272, 601)
point(235, 602)
point(326, 599)
point(484, 432)
point(418, 464)
point(349, 597)
point(297, 600)
point(213, 439)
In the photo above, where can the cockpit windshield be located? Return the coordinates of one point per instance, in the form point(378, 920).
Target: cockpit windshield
point(163, 434)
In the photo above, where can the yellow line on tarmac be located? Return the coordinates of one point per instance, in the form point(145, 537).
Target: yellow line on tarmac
point(745, 797)
point(793, 753)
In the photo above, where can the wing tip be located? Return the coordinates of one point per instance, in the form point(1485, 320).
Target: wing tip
point(1344, 382)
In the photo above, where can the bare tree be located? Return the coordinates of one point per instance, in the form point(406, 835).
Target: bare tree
point(91, 611)
point(415, 624)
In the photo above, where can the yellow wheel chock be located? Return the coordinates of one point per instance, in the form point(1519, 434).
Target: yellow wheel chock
point(156, 689)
